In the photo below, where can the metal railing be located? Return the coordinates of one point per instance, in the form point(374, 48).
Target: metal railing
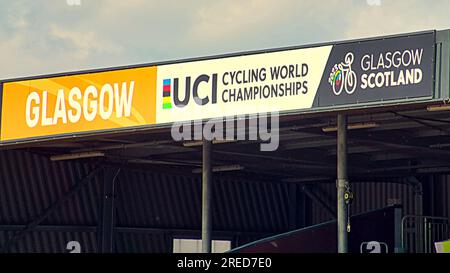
point(419, 233)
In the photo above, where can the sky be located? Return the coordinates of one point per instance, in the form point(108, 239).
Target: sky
point(52, 36)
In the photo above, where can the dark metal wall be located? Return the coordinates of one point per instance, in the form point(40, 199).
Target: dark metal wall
point(153, 208)
point(368, 196)
point(441, 193)
point(53, 241)
point(145, 199)
point(375, 195)
point(30, 183)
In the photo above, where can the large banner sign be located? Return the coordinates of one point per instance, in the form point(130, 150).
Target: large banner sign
point(73, 104)
point(378, 70)
point(277, 81)
point(343, 74)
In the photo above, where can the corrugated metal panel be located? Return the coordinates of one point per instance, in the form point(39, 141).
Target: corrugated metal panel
point(443, 196)
point(368, 196)
point(51, 241)
point(145, 199)
point(265, 206)
point(376, 195)
point(30, 183)
point(327, 193)
point(142, 243)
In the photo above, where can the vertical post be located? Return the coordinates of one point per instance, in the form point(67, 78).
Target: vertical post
point(206, 197)
point(420, 224)
point(341, 183)
point(107, 224)
point(292, 206)
point(431, 195)
point(398, 239)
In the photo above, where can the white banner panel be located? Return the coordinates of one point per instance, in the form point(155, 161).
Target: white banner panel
point(277, 81)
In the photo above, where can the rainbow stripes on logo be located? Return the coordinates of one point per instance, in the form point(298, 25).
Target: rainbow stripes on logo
point(167, 102)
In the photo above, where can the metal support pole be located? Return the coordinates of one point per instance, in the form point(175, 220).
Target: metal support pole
point(292, 206)
point(206, 197)
point(342, 183)
point(420, 225)
point(107, 224)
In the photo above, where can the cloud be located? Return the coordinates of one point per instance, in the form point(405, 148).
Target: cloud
point(257, 24)
point(229, 20)
point(83, 44)
point(47, 36)
point(392, 17)
point(39, 41)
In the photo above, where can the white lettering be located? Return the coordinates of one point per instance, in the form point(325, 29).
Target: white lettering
point(60, 108)
point(32, 121)
point(90, 116)
point(122, 101)
point(106, 89)
point(45, 120)
point(75, 105)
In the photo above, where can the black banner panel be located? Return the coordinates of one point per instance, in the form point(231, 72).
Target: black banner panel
point(378, 71)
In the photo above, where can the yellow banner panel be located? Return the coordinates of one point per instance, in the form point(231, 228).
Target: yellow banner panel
point(78, 103)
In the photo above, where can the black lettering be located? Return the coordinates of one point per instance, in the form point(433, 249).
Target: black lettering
point(274, 72)
point(291, 71)
point(305, 69)
point(197, 99)
point(176, 98)
point(214, 89)
point(223, 95)
point(305, 87)
point(248, 94)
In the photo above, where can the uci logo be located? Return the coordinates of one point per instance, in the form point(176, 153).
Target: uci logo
point(342, 77)
point(172, 91)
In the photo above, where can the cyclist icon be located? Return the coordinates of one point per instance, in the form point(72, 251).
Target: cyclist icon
point(343, 77)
